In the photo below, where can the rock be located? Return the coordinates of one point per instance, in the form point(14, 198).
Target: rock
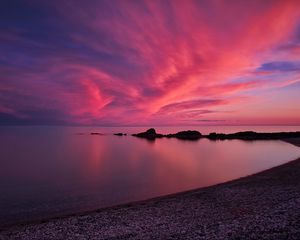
point(96, 133)
point(195, 135)
point(149, 134)
point(120, 134)
point(186, 135)
point(250, 135)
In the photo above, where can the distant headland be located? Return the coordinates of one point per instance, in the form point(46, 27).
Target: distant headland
point(151, 134)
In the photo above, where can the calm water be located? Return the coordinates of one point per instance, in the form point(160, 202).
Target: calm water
point(49, 171)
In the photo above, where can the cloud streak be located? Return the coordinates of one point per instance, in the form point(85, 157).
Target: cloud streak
point(144, 62)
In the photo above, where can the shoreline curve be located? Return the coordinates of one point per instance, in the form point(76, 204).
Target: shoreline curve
point(241, 208)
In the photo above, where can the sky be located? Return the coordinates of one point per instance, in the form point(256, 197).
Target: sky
point(134, 62)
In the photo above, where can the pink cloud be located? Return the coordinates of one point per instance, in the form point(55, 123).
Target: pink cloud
point(153, 61)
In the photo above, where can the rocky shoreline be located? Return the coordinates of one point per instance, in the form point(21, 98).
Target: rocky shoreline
point(261, 206)
point(151, 134)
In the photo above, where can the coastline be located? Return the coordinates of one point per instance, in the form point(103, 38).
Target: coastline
point(264, 205)
point(293, 141)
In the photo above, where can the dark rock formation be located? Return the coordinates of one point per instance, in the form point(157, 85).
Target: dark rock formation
point(195, 135)
point(96, 133)
point(186, 135)
point(120, 134)
point(149, 134)
point(250, 135)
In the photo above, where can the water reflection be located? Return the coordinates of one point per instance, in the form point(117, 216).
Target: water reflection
point(50, 171)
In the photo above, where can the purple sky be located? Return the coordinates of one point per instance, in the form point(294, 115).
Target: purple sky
point(133, 62)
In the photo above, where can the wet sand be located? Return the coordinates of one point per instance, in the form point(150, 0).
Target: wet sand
point(262, 206)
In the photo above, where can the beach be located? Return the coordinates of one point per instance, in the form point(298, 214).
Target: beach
point(261, 206)
point(146, 119)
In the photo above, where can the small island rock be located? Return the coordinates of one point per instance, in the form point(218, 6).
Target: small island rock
point(149, 134)
point(120, 134)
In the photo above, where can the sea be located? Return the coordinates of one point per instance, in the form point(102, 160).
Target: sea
point(52, 171)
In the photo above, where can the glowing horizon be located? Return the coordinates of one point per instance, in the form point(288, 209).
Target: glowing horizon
point(150, 62)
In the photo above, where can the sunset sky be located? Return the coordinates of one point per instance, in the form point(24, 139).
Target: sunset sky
point(133, 62)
